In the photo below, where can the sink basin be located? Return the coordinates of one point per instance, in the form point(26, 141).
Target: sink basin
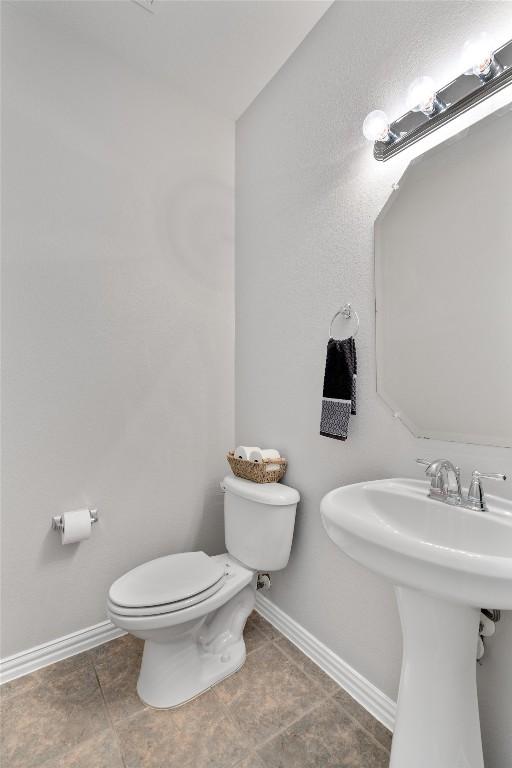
point(392, 527)
point(446, 563)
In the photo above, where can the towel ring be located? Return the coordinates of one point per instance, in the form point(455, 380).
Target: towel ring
point(347, 311)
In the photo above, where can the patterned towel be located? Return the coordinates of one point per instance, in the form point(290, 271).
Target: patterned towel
point(339, 396)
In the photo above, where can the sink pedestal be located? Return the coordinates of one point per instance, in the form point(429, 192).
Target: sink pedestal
point(446, 558)
point(437, 722)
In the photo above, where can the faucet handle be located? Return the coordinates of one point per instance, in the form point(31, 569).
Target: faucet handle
point(488, 475)
point(476, 498)
point(426, 462)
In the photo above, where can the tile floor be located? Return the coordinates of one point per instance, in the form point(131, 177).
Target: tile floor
point(279, 711)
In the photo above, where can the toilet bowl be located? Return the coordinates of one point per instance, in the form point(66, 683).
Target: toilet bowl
point(191, 609)
point(191, 643)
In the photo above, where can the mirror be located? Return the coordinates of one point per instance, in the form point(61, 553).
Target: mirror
point(443, 277)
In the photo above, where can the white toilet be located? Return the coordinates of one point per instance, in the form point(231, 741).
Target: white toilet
point(191, 609)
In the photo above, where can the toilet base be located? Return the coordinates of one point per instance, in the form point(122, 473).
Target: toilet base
point(178, 689)
point(195, 656)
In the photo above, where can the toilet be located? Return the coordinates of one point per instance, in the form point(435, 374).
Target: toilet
point(191, 609)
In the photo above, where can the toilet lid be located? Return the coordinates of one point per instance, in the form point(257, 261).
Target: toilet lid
point(167, 580)
point(157, 610)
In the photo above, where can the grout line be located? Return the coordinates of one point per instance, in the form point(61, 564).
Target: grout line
point(358, 723)
point(233, 722)
point(371, 698)
point(133, 715)
point(309, 677)
point(38, 684)
point(264, 742)
point(113, 723)
point(35, 675)
point(331, 695)
point(266, 641)
point(292, 722)
point(109, 716)
point(326, 696)
point(256, 748)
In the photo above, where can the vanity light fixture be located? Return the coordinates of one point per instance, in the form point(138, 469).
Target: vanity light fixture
point(485, 72)
point(422, 97)
point(376, 126)
point(477, 57)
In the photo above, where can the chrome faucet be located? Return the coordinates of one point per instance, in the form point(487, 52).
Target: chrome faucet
point(444, 480)
point(445, 484)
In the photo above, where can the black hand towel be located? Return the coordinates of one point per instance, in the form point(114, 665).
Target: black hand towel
point(339, 396)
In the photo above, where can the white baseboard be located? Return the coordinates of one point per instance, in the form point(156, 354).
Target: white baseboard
point(48, 653)
point(365, 693)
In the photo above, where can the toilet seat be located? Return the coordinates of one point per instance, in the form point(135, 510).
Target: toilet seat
point(236, 578)
point(167, 584)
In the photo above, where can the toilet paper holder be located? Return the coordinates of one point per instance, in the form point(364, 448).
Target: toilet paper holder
point(58, 522)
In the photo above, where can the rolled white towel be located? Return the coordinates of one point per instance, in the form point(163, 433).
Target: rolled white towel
point(248, 452)
point(271, 453)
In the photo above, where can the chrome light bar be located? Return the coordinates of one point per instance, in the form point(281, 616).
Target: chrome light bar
point(453, 99)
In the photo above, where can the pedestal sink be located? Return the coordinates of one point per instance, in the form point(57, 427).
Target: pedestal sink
point(446, 563)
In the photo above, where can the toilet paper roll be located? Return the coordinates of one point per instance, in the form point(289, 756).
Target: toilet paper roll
point(245, 452)
point(77, 526)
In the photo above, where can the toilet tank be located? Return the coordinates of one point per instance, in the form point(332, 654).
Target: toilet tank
point(259, 520)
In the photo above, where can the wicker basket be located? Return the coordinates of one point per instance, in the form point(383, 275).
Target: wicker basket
point(257, 472)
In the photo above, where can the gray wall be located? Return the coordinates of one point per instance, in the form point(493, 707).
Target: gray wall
point(118, 324)
point(308, 191)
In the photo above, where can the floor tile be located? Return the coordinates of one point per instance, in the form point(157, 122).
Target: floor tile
point(20, 685)
point(99, 752)
point(325, 738)
point(58, 673)
point(252, 761)
point(279, 711)
point(117, 664)
point(197, 735)
point(307, 666)
point(364, 718)
point(254, 637)
point(47, 675)
point(268, 693)
point(64, 708)
point(264, 626)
